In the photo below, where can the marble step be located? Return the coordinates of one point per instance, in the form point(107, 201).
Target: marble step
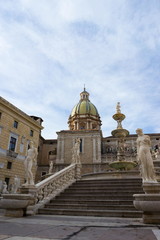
point(105, 198)
point(100, 213)
point(88, 206)
point(106, 187)
point(111, 180)
point(97, 191)
point(92, 202)
point(100, 197)
point(99, 182)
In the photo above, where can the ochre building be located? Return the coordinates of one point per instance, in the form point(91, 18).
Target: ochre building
point(17, 129)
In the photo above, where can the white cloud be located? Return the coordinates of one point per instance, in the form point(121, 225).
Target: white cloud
point(49, 49)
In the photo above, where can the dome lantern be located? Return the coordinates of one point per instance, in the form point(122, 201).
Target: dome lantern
point(84, 95)
point(84, 115)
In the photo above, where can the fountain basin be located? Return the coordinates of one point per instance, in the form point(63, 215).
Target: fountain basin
point(120, 133)
point(123, 165)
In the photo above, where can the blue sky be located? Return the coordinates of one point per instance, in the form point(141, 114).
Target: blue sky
point(50, 48)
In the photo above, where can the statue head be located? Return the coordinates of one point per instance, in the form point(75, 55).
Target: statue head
point(31, 144)
point(139, 131)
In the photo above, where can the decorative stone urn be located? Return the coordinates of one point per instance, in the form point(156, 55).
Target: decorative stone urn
point(149, 203)
point(15, 205)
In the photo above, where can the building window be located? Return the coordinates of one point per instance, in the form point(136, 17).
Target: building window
point(7, 181)
point(12, 144)
point(0, 115)
point(9, 165)
point(31, 133)
point(15, 125)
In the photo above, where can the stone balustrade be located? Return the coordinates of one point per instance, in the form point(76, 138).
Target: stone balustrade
point(41, 193)
point(54, 185)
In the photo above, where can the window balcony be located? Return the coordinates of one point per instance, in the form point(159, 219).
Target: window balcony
point(11, 153)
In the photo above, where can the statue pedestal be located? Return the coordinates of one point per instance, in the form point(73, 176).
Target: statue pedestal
point(150, 188)
point(149, 203)
point(29, 189)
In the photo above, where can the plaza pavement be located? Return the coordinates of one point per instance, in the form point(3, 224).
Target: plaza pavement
point(44, 227)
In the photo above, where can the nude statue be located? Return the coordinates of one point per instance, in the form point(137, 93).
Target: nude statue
point(28, 163)
point(118, 107)
point(4, 191)
point(76, 151)
point(16, 184)
point(50, 167)
point(145, 158)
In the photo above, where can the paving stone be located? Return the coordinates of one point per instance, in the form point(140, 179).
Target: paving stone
point(53, 232)
point(157, 234)
point(20, 229)
point(115, 234)
point(2, 237)
point(28, 238)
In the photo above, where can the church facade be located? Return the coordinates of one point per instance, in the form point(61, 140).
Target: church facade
point(96, 151)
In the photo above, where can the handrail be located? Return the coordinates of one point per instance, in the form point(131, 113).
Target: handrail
point(55, 184)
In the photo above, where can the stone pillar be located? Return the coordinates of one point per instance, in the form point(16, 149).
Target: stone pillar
point(94, 150)
point(99, 150)
point(60, 150)
point(77, 126)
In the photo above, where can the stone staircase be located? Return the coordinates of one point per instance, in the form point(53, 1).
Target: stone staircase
point(104, 198)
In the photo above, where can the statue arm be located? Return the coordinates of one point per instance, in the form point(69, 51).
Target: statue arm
point(138, 146)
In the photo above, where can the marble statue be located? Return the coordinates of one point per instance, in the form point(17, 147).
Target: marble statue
point(50, 167)
point(4, 191)
point(145, 158)
point(155, 153)
point(16, 184)
point(118, 107)
point(28, 163)
point(76, 151)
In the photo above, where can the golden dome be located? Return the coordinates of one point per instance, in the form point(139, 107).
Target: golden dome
point(84, 106)
point(84, 115)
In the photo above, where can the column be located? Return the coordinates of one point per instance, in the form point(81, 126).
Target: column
point(94, 150)
point(62, 150)
point(99, 150)
point(58, 151)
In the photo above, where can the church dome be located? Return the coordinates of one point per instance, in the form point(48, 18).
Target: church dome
point(84, 107)
point(84, 114)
